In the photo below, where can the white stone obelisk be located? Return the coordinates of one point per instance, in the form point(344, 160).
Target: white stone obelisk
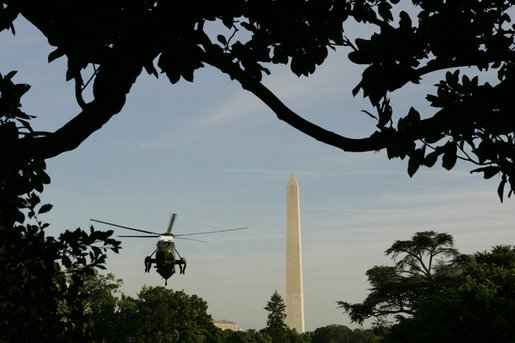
point(294, 289)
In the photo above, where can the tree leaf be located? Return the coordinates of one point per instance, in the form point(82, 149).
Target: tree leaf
point(413, 165)
point(45, 208)
point(384, 9)
point(488, 172)
point(10, 75)
point(431, 158)
point(55, 54)
point(222, 39)
point(450, 156)
point(151, 70)
point(500, 189)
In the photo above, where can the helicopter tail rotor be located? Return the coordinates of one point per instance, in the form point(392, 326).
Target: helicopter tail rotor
point(171, 223)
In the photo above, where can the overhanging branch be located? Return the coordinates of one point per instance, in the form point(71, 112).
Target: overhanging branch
point(111, 87)
point(430, 127)
point(376, 141)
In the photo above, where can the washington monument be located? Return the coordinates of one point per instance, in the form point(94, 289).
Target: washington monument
point(294, 289)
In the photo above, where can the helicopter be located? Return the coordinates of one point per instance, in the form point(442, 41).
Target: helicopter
point(167, 255)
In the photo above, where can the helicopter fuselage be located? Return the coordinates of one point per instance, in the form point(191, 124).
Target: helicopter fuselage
point(165, 256)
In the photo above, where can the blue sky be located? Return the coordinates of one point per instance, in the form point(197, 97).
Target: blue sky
point(219, 158)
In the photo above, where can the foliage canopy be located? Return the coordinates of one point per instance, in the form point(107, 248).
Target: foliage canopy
point(472, 120)
point(342, 334)
point(40, 276)
point(157, 314)
point(461, 298)
point(479, 307)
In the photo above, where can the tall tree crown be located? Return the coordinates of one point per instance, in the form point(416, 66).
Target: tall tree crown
point(397, 291)
point(275, 323)
point(420, 253)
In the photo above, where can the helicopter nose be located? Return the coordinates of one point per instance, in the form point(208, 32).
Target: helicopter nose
point(166, 271)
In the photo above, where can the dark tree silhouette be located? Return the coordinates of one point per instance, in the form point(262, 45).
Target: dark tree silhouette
point(275, 323)
point(341, 333)
point(41, 279)
point(40, 276)
point(398, 290)
point(169, 316)
point(460, 298)
point(478, 308)
point(472, 120)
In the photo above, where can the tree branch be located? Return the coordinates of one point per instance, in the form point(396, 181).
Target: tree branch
point(378, 140)
point(111, 87)
point(479, 59)
point(217, 59)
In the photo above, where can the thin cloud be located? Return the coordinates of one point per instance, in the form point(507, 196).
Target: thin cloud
point(236, 112)
point(242, 109)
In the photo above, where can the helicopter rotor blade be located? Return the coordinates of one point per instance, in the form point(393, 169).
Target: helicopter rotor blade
point(191, 239)
point(125, 227)
point(171, 223)
point(140, 236)
point(208, 232)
